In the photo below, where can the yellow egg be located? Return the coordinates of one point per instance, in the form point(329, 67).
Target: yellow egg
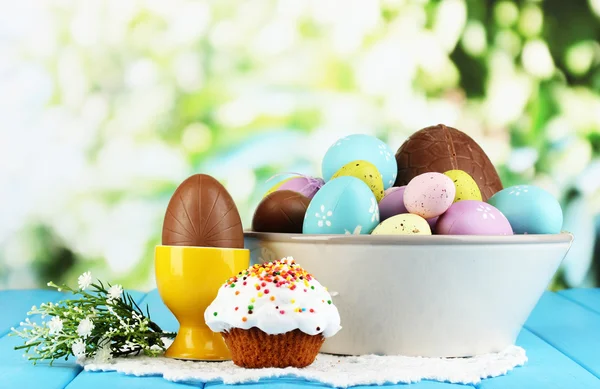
point(276, 186)
point(466, 188)
point(366, 172)
point(403, 224)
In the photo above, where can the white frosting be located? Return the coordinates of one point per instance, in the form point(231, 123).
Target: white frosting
point(274, 309)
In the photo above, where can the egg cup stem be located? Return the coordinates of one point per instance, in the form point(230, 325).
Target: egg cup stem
point(198, 342)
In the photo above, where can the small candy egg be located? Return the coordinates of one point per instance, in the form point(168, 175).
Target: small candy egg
point(366, 172)
point(429, 194)
point(392, 203)
point(306, 186)
point(403, 224)
point(466, 187)
point(361, 147)
point(529, 209)
point(472, 217)
point(345, 205)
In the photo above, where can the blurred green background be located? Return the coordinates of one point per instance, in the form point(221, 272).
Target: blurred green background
point(107, 105)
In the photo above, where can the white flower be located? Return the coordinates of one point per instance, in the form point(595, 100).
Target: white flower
point(103, 353)
point(115, 292)
point(85, 280)
point(85, 327)
point(487, 211)
point(78, 348)
point(517, 190)
point(383, 150)
point(323, 216)
point(55, 325)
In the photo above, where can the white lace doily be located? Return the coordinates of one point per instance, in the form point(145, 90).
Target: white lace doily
point(335, 371)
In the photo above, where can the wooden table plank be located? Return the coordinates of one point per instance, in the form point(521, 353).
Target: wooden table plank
point(294, 383)
point(589, 298)
point(547, 368)
point(14, 305)
point(568, 327)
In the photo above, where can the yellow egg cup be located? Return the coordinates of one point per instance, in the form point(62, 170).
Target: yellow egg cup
point(188, 279)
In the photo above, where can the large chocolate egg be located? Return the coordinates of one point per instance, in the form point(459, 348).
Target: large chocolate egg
point(281, 211)
point(202, 213)
point(441, 148)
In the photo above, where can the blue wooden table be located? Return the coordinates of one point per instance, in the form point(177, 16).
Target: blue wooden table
point(562, 339)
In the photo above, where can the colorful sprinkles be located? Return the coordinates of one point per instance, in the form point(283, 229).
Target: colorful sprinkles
point(281, 274)
point(260, 280)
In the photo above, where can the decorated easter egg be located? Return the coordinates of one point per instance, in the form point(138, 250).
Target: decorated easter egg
point(466, 187)
point(429, 195)
point(441, 148)
point(529, 209)
point(305, 185)
point(366, 172)
point(403, 224)
point(365, 148)
point(202, 213)
point(473, 217)
point(281, 211)
point(345, 205)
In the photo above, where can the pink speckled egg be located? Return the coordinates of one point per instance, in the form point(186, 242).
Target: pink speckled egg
point(429, 195)
point(473, 217)
point(392, 203)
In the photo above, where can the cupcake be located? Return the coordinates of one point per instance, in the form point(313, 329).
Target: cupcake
point(273, 315)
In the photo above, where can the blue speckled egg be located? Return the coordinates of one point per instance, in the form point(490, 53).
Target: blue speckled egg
point(529, 209)
point(344, 205)
point(361, 147)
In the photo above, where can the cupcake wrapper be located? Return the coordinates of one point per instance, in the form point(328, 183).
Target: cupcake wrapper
point(256, 349)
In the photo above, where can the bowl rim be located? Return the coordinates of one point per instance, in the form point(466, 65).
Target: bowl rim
point(418, 240)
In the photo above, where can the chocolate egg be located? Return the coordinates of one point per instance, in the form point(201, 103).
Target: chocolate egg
point(202, 213)
point(281, 211)
point(441, 148)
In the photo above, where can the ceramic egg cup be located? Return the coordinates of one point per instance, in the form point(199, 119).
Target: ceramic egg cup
point(188, 279)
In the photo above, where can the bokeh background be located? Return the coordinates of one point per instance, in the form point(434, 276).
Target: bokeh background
point(107, 105)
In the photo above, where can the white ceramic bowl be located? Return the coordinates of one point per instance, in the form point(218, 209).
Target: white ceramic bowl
point(433, 296)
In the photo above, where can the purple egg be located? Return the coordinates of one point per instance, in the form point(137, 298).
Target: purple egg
point(433, 222)
point(308, 186)
point(392, 203)
point(473, 217)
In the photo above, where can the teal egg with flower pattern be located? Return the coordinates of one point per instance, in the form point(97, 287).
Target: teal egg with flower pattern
point(529, 209)
point(344, 205)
